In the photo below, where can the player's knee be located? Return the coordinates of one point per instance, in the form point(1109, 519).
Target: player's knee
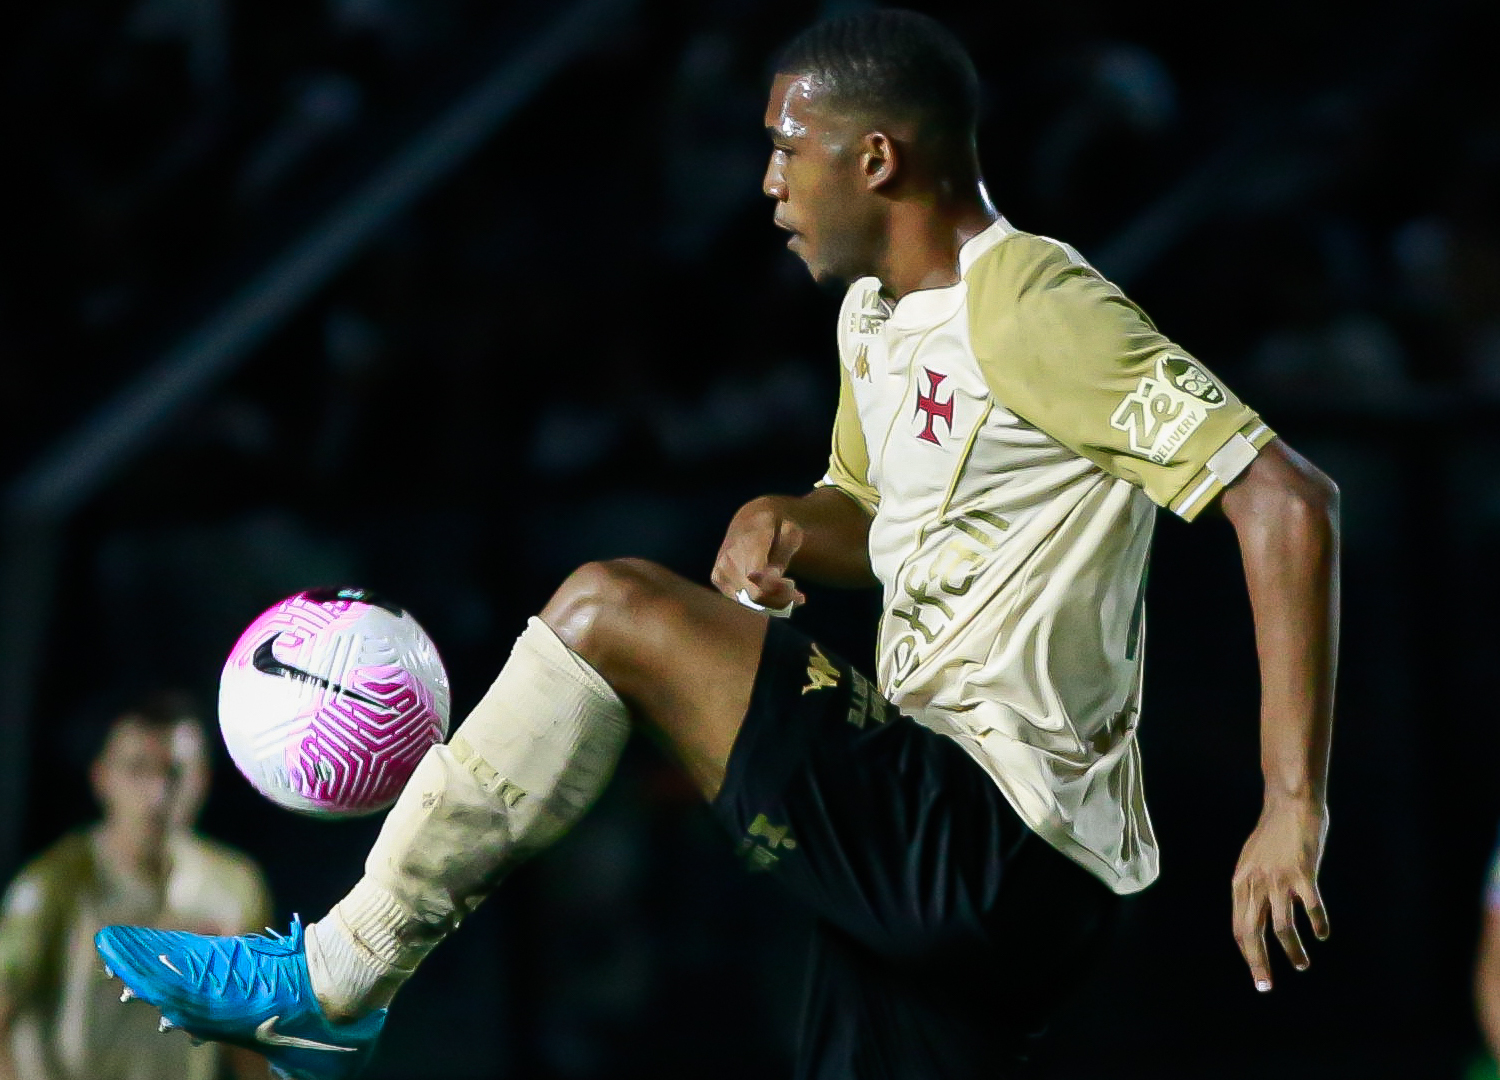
point(602, 601)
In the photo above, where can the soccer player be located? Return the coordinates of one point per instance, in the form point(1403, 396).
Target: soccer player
point(963, 825)
point(143, 861)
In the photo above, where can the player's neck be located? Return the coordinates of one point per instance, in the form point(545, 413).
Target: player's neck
point(136, 853)
point(924, 239)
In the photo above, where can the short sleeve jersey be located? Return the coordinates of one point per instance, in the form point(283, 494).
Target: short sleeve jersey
point(1012, 435)
point(67, 1012)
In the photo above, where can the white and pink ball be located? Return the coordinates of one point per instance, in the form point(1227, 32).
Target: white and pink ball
point(329, 699)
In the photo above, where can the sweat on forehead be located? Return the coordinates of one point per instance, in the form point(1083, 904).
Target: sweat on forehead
point(800, 100)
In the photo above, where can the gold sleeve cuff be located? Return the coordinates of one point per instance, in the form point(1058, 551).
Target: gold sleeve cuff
point(1223, 467)
point(865, 496)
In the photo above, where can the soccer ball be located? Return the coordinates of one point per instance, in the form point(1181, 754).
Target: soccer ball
point(329, 699)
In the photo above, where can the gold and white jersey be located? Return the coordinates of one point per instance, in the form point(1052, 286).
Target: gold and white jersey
point(1010, 434)
point(69, 1017)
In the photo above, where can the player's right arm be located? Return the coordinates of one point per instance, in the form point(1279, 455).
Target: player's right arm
point(823, 536)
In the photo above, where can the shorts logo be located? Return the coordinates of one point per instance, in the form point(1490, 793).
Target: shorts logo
point(865, 704)
point(821, 674)
point(1166, 408)
point(762, 839)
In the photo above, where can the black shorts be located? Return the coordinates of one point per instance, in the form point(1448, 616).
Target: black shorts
point(947, 931)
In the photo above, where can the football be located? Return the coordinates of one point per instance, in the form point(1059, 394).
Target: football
point(329, 699)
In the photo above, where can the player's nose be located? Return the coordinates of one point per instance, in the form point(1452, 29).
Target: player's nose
point(774, 182)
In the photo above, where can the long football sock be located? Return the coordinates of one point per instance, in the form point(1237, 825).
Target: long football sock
point(518, 773)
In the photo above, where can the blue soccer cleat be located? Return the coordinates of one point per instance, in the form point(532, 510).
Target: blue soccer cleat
point(251, 991)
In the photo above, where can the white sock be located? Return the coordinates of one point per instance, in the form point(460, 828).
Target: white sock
point(519, 772)
point(354, 953)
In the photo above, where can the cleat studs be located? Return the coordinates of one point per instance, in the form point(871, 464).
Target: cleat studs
point(108, 972)
point(126, 994)
point(165, 1026)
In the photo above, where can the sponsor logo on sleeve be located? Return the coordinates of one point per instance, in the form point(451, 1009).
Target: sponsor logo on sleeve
point(1165, 408)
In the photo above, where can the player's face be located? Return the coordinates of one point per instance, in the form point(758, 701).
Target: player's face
point(136, 777)
point(823, 197)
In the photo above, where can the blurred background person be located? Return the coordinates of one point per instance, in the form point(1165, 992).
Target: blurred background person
point(58, 1016)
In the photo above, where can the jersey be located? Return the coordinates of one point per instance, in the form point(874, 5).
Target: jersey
point(68, 1013)
point(1012, 435)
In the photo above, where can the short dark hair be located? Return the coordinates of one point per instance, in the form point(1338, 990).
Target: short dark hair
point(156, 710)
point(161, 707)
point(893, 59)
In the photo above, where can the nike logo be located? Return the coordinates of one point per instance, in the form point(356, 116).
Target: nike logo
point(266, 1033)
point(173, 967)
point(265, 661)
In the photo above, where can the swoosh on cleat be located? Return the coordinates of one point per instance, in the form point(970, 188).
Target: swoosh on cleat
point(163, 958)
point(266, 1033)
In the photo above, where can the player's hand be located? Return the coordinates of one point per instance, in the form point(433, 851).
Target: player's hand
point(1277, 872)
point(757, 548)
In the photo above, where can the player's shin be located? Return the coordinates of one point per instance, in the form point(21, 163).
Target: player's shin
point(521, 769)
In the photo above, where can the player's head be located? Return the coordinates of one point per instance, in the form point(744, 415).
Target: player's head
point(139, 773)
point(866, 109)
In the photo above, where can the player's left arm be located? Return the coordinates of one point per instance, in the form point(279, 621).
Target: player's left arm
point(1285, 514)
point(1068, 352)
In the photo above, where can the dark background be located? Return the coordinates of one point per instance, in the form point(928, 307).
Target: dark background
point(586, 340)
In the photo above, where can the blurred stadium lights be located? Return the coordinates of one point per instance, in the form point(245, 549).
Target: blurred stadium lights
point(38, 506)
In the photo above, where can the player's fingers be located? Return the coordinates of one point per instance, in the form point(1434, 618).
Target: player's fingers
point(730, 580)
point(1284, 922)
point(784, 544)
point(1249, 935)
point(772, 588)
point(1312, 903)
point(723, 577)
point(747, 546)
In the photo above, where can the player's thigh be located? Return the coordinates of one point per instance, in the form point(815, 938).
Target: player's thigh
point(682, 656)
point(885, 828)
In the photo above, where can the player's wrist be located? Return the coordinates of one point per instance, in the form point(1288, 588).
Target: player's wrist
point(1300, 798)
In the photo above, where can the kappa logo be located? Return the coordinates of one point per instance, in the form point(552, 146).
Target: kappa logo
point(1166, 408)
point(862, 363)
point(821, 674)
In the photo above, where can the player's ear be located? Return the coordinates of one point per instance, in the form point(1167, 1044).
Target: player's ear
point(96, 780)
point(878, 159)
